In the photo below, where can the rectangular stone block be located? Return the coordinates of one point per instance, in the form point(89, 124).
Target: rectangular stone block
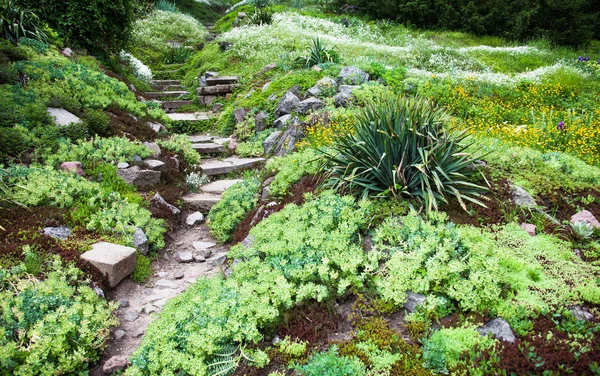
point(115, 261)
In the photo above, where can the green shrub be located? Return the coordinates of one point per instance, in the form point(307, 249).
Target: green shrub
point(93, 205)
point(181, 144)
point(54, 325)
point(101, 26)
point(329, 363)
point(401, 147)
point(143, 269)
point(98, 150)
point(17, 22)
point(290, 168)
point(235, 202)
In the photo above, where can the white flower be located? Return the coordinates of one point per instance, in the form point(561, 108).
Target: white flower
point(140, 70)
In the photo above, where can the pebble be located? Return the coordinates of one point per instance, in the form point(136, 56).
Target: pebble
point(179, 275)
point(123, 303)
point(162, 274)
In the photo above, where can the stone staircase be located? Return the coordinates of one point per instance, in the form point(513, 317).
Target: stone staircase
point(211, 193)
point(214, 86)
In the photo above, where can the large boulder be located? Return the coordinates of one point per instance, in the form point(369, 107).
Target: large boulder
point(260, 121)
point(352, 76)
point(343, 96)
point(287, 142)
point(62, 117)
point(282, 121)
point(287, 105)
point(271, 142)
point(138, 177)
point(308, 105)
point(325, 86)
point(113, 260)
point(499, 329)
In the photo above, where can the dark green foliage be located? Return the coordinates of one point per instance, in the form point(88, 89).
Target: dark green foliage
point(401, 147)
point(99, 26)
point(567, 22)
point(17, 22)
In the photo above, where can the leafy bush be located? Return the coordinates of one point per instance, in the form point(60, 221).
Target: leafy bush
point(235, 202)
point(297, 254)
point(319, 53)
point(54, 325)
point(98, 150)
point(401, 147)
point(17, 22)
point(290, 168)
point(104, 25)
point(181, 144)
point(329, 363)
point(93, 205)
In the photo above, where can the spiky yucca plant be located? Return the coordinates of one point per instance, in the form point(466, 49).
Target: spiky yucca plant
point(319, 53)
point(17, 22)
point(401, 147)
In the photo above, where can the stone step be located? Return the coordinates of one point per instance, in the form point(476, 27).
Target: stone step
point(170, 105)
point(227, 165)
point(222, 80)
point(218, 89)
point(219, 186)
point(208, 148)
point(201, 201)
point(167, 87)
point(186, 116)
point(200, 138)
point(164, 82)
point(166, 94)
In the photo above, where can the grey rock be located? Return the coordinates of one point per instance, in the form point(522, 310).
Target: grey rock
point(67, 52)
point(521, 198)
point(184, 257)
point(224, 46)
point(265, 87)
point(155, 164)
point(154, 148)
point(162, 274)
point(62, 117)
point(138, 177)
point(580, 313)
point(140, 241)
point(343, 96)
point(276, 340)
point(287, 105)
point(202, 81)
point(156, 127)
point(165, 284)
point(194, 218)
point(203, 246)
point(413, 301)
point(282, 121)
point(248, 241)
point(268, 67)
point(352, 76)
point(199, 257)
point(115, 364)
point(137, 158)
point(123, 303)
point(271, 141)
point(367, 243)
point(209, 74)
point(239, 114)
point(119, 333)
point(178, 275)
point(131, 316)
point(309, 105)
point(268, 181)
point(272, 98)
point(159, 200)
point(219, 259)
point(113, 260)
point(139, 332)
point(499, 329)
point(248, 94)
point(265, 194)
point(60, 233)
point(98, 291)
point(324, 86)
point(290, 137)
point(132, 88)
point(122, 165)
point(217, 107)
point(260, 121)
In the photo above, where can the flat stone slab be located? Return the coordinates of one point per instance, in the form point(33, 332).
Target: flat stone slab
point(199, 139)
point(154, 163)
point(165, 82)
point(166, 94)
point(175, 104)
point(200, 246)
point(63, 117)
point(201, 201)
point(219, 186)
point(113, 260)
point(222, 80)
point(225, 166)
point(165, 284)
point(207, 148)
point(222, 141)
point(196, 116)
